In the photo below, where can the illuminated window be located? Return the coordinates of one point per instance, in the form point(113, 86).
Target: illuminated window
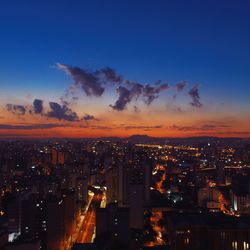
point(234, 245)
point(245, 246)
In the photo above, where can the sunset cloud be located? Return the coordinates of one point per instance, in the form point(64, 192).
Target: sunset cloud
point(61, 112)
point(38, 106)
point(88, 117)
point(30, 126)
point(179, 87)
point(195, 96)
point(142, 127)
point(94, 83)
point(125, 96)
point(16, 109)
point(110, 75)
point(89, 82)
point(204, 127)
point(148, 93)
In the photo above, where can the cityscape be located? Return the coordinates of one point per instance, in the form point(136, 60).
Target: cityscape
point(125, 194)
point(124, 125)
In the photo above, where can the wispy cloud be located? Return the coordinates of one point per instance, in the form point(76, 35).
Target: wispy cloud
point(195, 96)
point(88, 117)
point(142, 127)
point(204, 127)
point(31, 126)
point(94, 83)
point(148, 92)
point(126, 96)
point(16, 109)
point(179, 87)
point(89, 82)
point(56, 110)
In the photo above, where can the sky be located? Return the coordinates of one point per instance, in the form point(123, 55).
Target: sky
point(165, 68)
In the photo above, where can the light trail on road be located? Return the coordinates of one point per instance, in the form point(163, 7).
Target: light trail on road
point(87, 229)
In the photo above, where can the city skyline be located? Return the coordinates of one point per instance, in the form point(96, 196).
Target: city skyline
point(95, 69)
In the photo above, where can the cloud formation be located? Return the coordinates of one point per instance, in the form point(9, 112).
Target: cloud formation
point(94, 83)
point(204, 127)
point(56, 111)
point(89, 82)
point(110, 75)
point(88, 117)
point(148, 92)
point(31, 126)
point(195, 96)
point(142, 127)
point(38, 106)
point(61, 112)
point(179, 87)
point(16, 109)
point(125, 96)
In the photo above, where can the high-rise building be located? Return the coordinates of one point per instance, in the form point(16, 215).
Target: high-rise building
point(54, 156)
point(111, 177)
point(220, 173)
point(31, 216)
point(123, 182)
point(112, 226)
point(82, 189)
point(54, 222)
point(61, 158)
point(69, 213)
point(22, 245)
point(14, 216)
point(205, 231)
point(57, 157)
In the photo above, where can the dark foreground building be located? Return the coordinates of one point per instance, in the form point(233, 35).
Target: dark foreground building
point(203, 231)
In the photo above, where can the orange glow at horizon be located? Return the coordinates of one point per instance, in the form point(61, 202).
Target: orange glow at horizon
point(108, 123)
point(77, 132)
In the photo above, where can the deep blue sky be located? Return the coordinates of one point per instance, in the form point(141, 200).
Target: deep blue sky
point(206, 42)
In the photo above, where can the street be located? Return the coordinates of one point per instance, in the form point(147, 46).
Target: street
point(87, 229)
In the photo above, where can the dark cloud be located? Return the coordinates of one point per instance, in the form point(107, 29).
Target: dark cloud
point(57, 111)
point(234, 132)
point(142, 127)
point(151, 92)
point(195, 96)
point(38, 106)
point(209, 127)
point(94, 83)
point(204, 127)
point(16, 109)
point(136, 109)
point(32, 126)
point(88, 117)
point(148, 92)
point(110, 75)
point(89, 82)
point(180, 86)
point(5, 136)
point(193, 128)
point(22, 110)
point(125, 97)
point(61, 112)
